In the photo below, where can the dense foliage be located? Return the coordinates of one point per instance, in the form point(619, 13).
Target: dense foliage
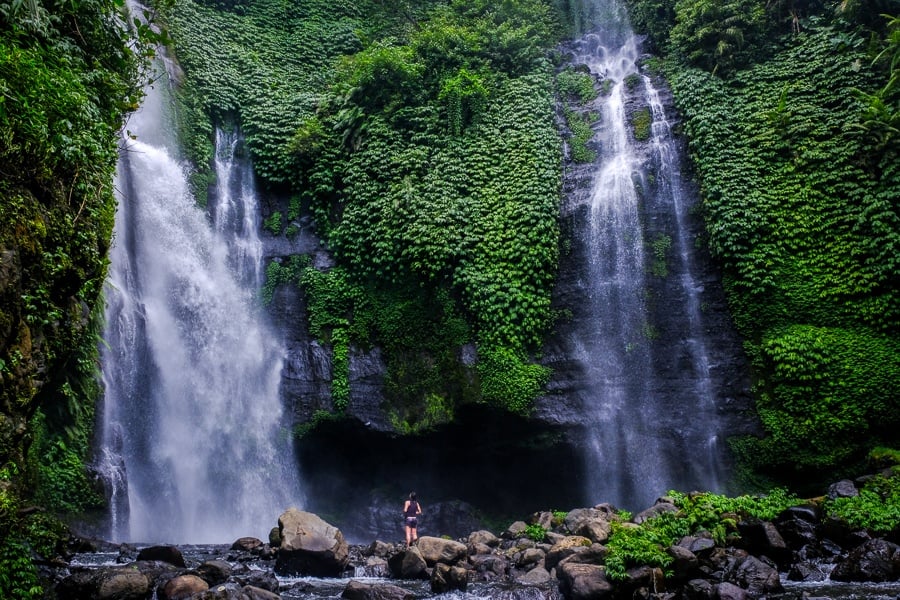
point(423, 140)
point(714, 514)
point(794, 138)
point(69, 71)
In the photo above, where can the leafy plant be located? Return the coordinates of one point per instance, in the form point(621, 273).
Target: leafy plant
point(535, 532)
point(877, 507)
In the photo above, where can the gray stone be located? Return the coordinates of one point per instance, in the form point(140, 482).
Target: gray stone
point(183, 587)
point(567, 547)
point(485, 537)
point(357, 590)
point(729, 591)
point(310, 546)
point(438, 550)
point(167, 554)
point(842, 489)
point(446, 578)
point(408, 564)
point(875, 560)
point(584, 582)
point(123, 584)
point(214, 572)
point(536, 576)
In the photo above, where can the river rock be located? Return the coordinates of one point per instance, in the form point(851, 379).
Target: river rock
point(842, 489)
point(567, 547)
point(489, 567)
point(753, 575)
point(310, 546)
point(182, 587)
point(806, 571)
point(584, 582)
point(762, 538)
point(124, 584)
point(590, 523)
point(798, 526)
point(684, 563)
point(379, 548)
point(729, 591)
point(167, 554)
point(662, 505)
point(408, 564)
point(529, 557)
point(255, 593)
point(484, 537)
point(265, 580)
point(515, 530)
point(214, 572)
point(357, 590)
point(446, 578)
point(875, 560)
point(228, 591)
point(536, 576)
point(117, 583)
point(438, 550)
point(700, 589)
point(247, 544)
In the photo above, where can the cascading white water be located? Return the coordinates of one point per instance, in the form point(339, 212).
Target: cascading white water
point(645, 437)
point(191, 370)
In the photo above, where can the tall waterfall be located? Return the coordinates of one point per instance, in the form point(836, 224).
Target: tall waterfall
point(649, 399)
point(192, 418)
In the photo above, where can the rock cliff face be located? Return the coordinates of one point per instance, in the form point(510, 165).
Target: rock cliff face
point(340, 460)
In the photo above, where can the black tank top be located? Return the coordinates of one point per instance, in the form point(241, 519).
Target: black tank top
point(412, 509)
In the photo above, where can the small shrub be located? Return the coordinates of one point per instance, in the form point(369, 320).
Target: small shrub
point(536, 533)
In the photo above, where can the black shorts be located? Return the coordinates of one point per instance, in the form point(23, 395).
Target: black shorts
point(411, 522)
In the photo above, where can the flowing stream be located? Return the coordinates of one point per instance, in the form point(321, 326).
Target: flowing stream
point(195, 448)
point(649, 400)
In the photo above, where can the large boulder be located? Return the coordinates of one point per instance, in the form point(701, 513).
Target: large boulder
point(753, 575)
point(484, 537)
point(117, 583)
point(763, 538)
point(310, 546)
point(214, 572)
point(591, 523)
point(565, 548)
point(875, 560)
point(167, 554)
point(584, 582)
point(408, 564)
point(446, 578)
point(662, 505)
point(182, 587)
point(249, 592)
point(438, 550)
point(248, 544)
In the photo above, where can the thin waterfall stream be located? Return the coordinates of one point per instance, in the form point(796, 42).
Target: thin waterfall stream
point(649, 398)
point(195, 446)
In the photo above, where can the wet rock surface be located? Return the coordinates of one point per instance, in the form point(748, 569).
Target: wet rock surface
point(759, 559)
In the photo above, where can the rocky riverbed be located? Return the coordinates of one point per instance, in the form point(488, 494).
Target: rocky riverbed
point(799, 554)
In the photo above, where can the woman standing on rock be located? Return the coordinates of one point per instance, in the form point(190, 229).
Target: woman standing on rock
point(411, 511)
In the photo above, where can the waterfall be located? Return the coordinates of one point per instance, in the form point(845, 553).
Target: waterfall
point(649, 399)
point(192, 417)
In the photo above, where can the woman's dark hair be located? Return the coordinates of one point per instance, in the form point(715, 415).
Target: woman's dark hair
point(412, 495)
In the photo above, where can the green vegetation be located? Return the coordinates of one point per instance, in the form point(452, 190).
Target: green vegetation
point(68, 74)
point(423, 140)
point(535, 532)
point(877, 507)
point(791, 114)
point(718, 515)
point(641, 122)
